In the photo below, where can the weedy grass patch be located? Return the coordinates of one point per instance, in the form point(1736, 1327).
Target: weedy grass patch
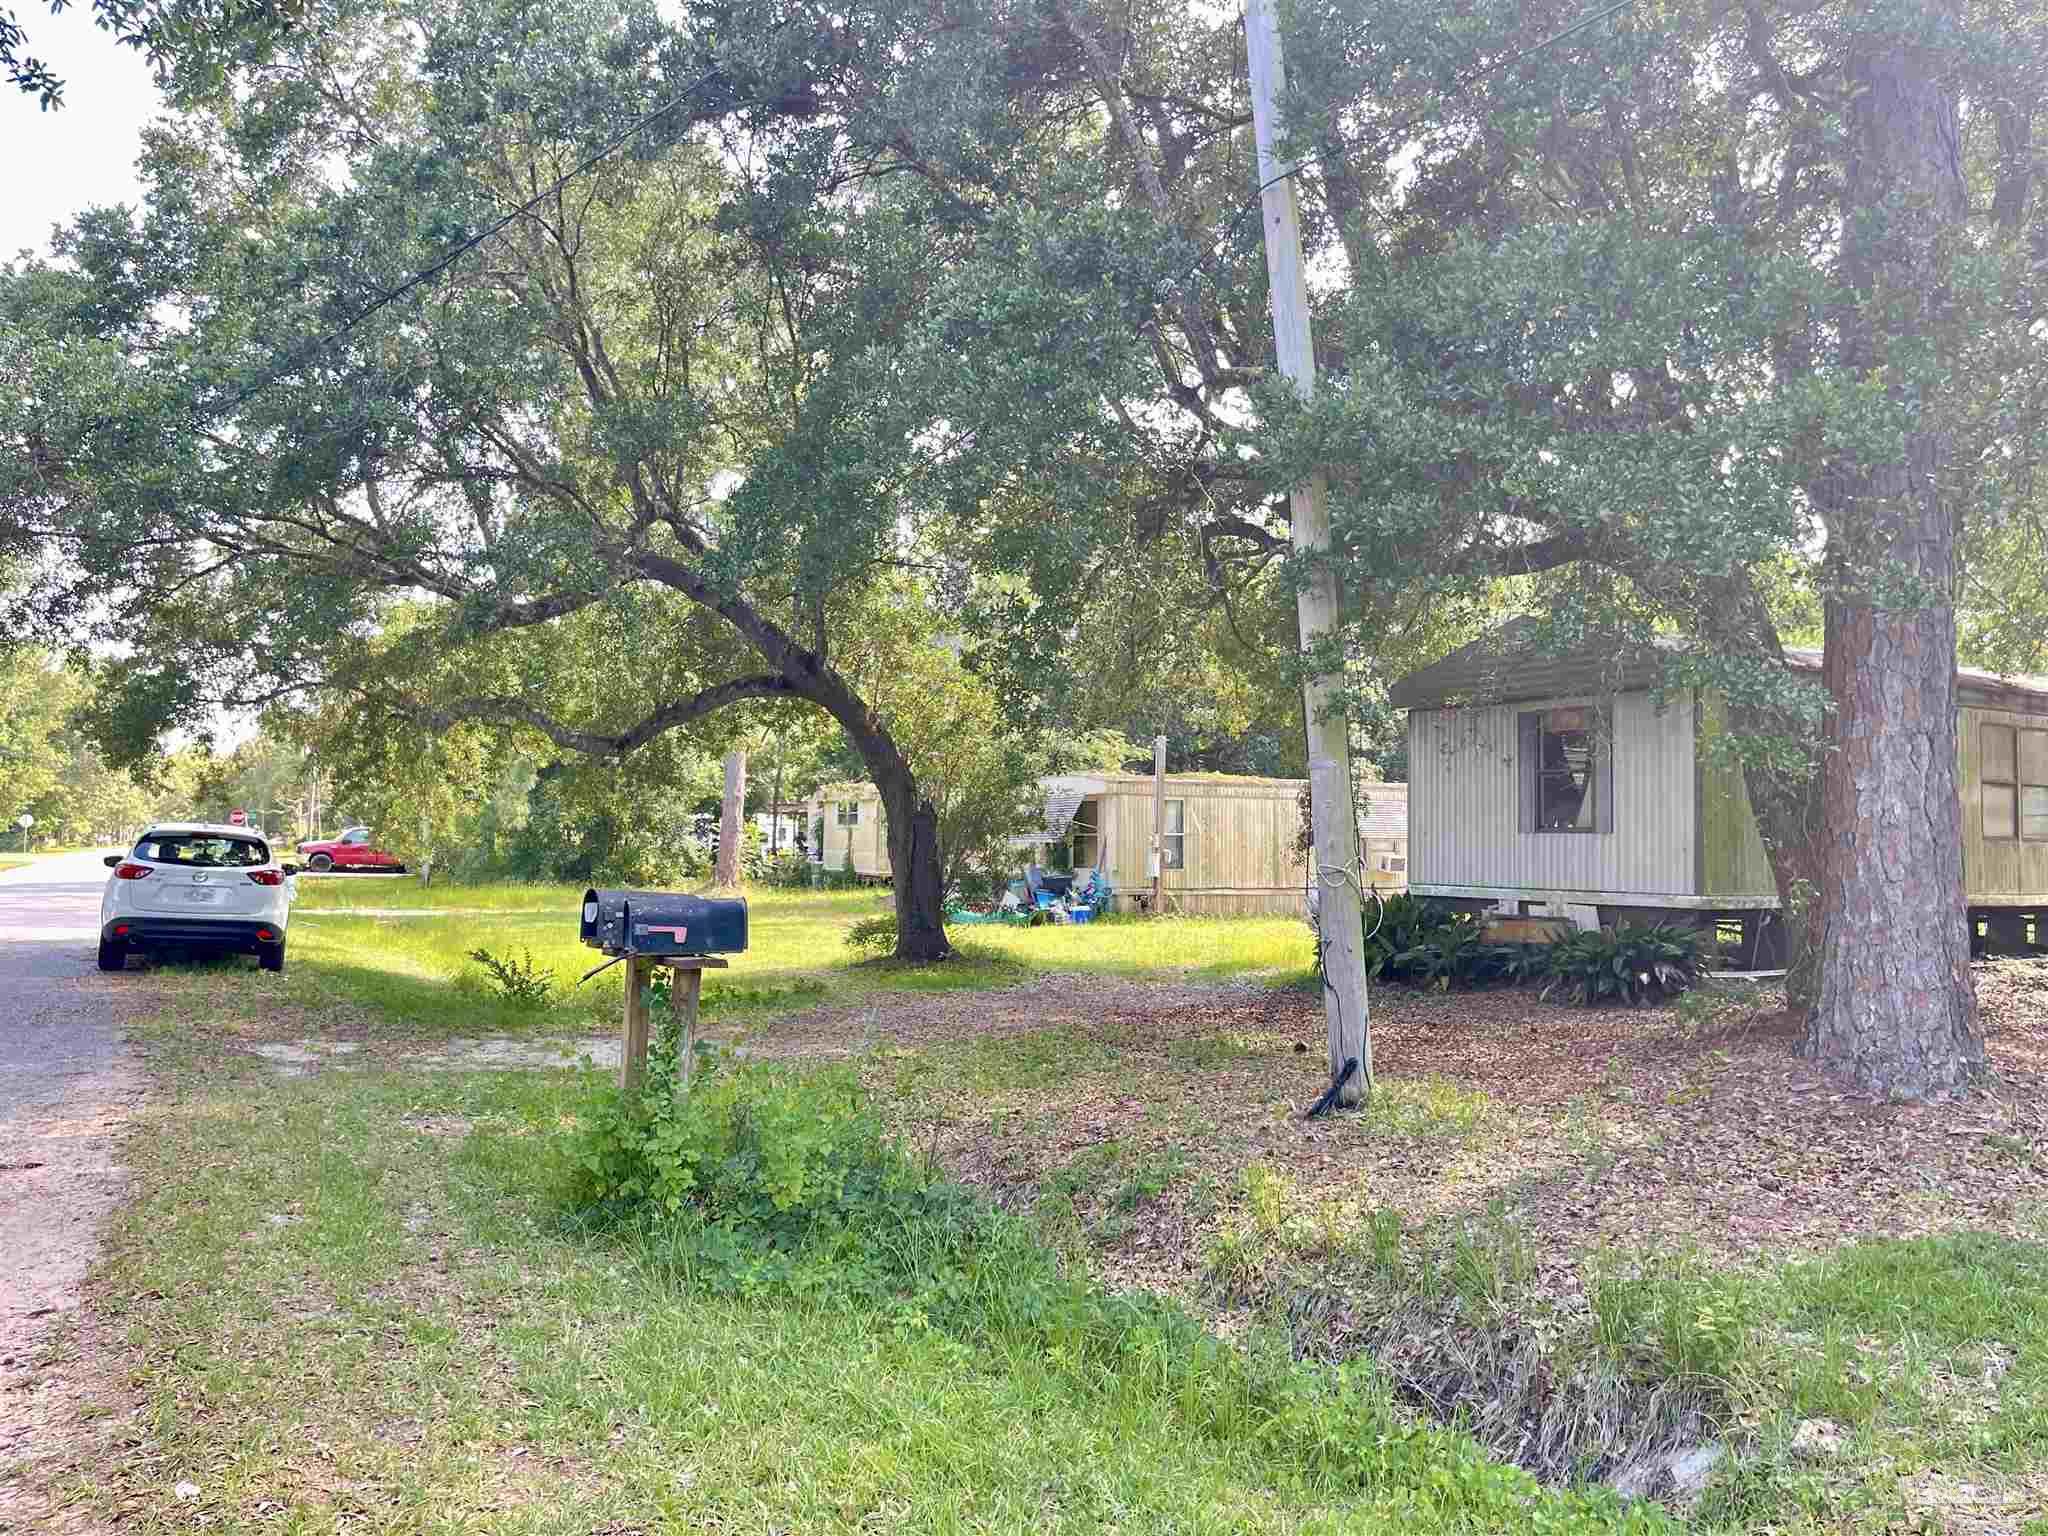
point(374, 1301)
point(1531, 1232)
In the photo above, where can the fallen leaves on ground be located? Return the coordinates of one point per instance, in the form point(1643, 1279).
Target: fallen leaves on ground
point(1642, 1128)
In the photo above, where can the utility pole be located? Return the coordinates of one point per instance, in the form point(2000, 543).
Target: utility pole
point(1339, 915)
point(1158, 825)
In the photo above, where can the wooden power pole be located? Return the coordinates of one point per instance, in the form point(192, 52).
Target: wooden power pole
point(1158, 825)
point(1339, 918)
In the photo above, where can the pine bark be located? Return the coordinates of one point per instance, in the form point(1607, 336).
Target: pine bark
point(731, 821)
point(1897, 1013)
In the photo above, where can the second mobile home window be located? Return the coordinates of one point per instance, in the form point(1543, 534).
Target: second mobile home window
point(2015, 783)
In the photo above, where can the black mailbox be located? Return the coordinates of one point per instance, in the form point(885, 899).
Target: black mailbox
point(663, 923)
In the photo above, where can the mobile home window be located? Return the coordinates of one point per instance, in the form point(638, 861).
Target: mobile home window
point(2015, 783)
point(1086, 847)
point(1173, 846)
point(1566, 770)
point(849, 813)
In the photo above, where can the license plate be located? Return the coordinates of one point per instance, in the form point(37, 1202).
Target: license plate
point(202, 896)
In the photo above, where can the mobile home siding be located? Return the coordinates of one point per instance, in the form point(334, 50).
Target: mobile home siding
point(1732, 857)
point(1464, 799)
point(1996, 871)
point(1239, 843)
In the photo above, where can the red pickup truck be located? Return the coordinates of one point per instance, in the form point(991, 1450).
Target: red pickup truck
point(352, 850)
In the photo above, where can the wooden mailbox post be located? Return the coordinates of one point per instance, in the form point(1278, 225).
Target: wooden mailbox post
point(686, 991)
point(650, 930)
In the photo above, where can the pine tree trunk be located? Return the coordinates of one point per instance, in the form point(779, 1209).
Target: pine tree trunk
point(730, 821)
point(1897, 1013)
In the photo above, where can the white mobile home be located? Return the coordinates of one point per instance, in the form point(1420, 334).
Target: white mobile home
point(1560, 784)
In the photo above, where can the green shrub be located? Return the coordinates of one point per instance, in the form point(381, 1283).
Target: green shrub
point(977, 888)
point(1404, 923)
point(1518, 965)
point(873, 935)
point(1624, 964)
point(751, 1143)
point(786, 869)
point(519, 981)
point(1419, 942)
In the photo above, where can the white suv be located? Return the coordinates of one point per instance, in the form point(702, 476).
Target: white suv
point(193, 885)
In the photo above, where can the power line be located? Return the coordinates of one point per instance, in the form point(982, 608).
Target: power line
point(427, 274)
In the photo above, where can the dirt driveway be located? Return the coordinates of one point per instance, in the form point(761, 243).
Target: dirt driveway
point(67, 1087)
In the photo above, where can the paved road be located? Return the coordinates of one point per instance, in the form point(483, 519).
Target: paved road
point(51, 1032)
point(67, 1085)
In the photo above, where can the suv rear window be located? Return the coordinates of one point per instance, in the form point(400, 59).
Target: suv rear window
point(203, 850)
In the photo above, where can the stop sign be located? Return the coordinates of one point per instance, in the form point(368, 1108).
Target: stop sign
point(238, 818)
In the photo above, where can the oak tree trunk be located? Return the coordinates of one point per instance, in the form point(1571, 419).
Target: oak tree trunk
point(1897, 1013)
point(731, 821)
point(913, 824)
point(916, 858)
point(1734, 616)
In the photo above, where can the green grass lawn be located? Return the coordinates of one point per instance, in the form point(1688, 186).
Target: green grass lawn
point(358, 1299)
point(352, 1303)
point(415, 974)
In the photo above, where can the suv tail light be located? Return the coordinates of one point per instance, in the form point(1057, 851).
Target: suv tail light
point(131, 871)
point(267, 876)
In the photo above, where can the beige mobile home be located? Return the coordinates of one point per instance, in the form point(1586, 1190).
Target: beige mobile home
point(1561, 784)
point(1229, 844)
point(848, 829)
